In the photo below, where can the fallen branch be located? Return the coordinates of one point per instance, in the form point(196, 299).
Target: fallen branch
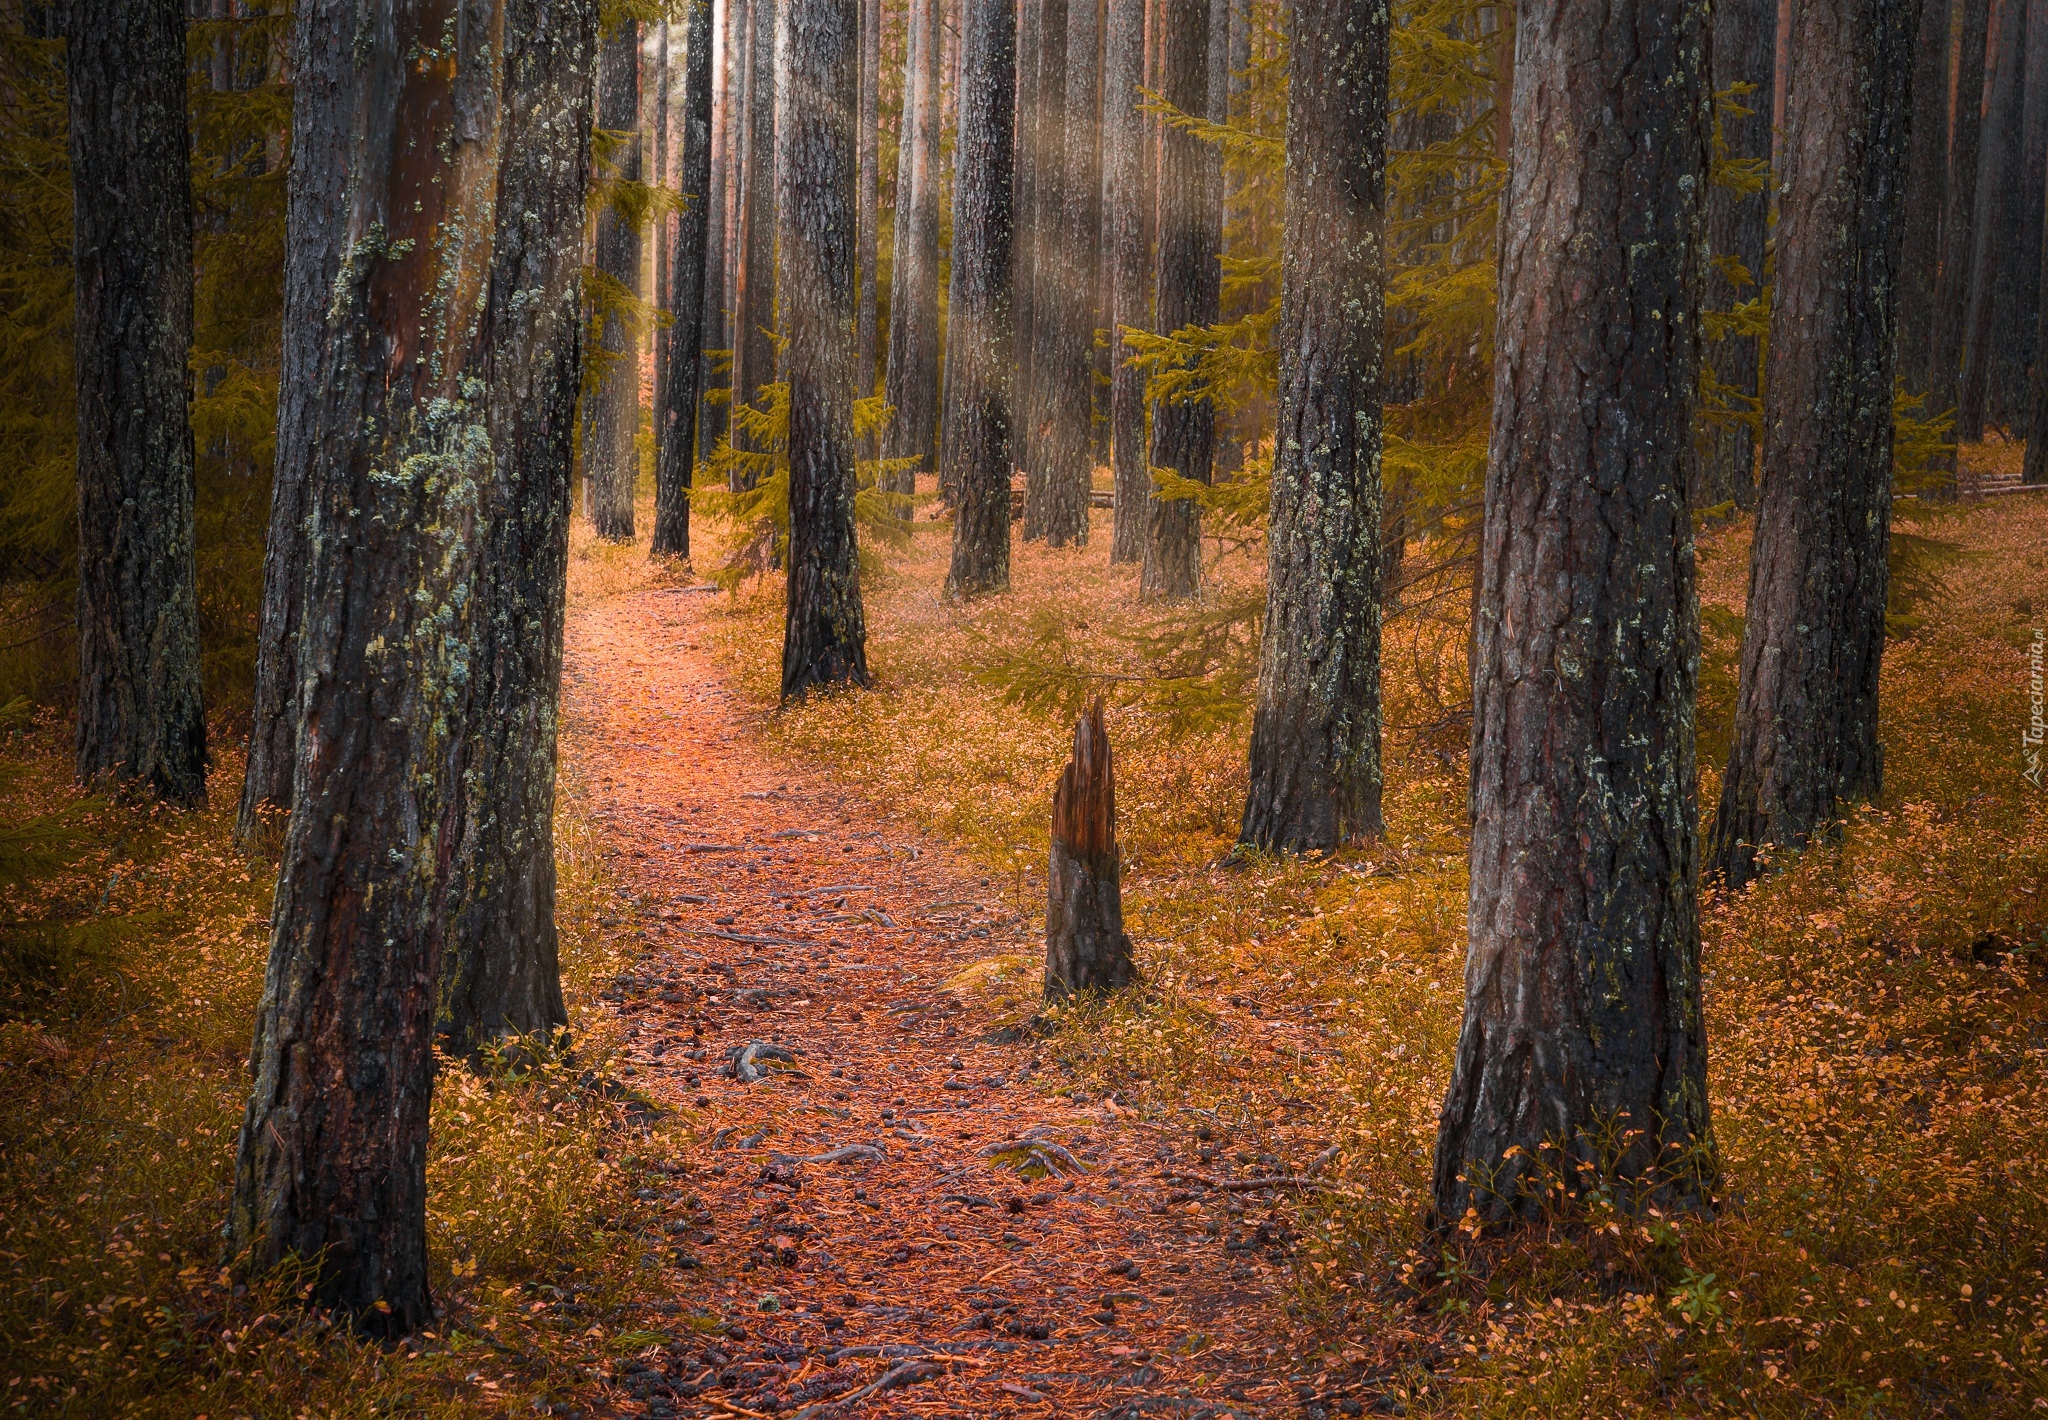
point(752, 941)
point(743, 1062)
point(849, 1154)
point(1254, 1185)
point(901, 1374)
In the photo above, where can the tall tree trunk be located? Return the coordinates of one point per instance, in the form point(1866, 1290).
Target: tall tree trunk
point(913, 374)
point(321, 74)
point(1926, 193)
point(824, 637)
point(1024, 213)
point(1048, 195)
point(712, 417)
point(501, 969)
point(2017, 340)
point(869, 195)
point(1315, 751)
point(2035, 469)
point(1086, 947)
point(1959, 221)
point(659, 177)
point(1745, 51)
point(1189, 283)
point(675, 467)
point(1127, 178)
point(1806, 711)
point(331, 1167)
point(1062, 460)
point(753, 362)
point(141, 722)
point(611, 462)
point(978, 456)
point(1582, 1042)
point(1998, 223)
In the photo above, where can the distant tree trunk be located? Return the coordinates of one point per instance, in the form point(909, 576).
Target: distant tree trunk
point(611, 463)
point(141, 722)
point(1189, 282)
point(1959, 221)
point(2016, 337)
point(2035, 470)
point(314, 238)
point(331, 1167)
point(1086, 948)
point(501, 969)
point(824, 638)
point(1745, 51)
point(675, 457)
point(870, 194)
point(1024, 213)
point(753, 363)
point(1926, 192)
point(1062, 456)
point(712, 417)
point(1127, 178)
point(978, 456)
point(1048, 194)
point(1998, 224)
point(1315, 751)
point(1582, 993)
point(658, 176)
point(913, 374)
point(1806, 711)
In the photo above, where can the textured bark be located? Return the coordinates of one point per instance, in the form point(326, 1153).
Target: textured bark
point(913, 374)
point(2035, 469)
point(658, 175)
point(1998, 224)
point(870, 195)
point(1048, 189)
point(1086, 949)
point(1127, 177)
point(1189, 283)
point(611, 462)
point(753, 362)
point(1024, 214)
point(1959, 220)
point(320, 71)
point(712, 417)
point(1806, 711)
point(1582, 1041)
point(141, 723)
point(1062, 455)
point(500, 970)
point(1315, 751)
point(2014, 339)
point(1926, 193)
point(1745, 51)
point(675, 466)
point(331, 1167)
point(978, 457)
point(824, 637)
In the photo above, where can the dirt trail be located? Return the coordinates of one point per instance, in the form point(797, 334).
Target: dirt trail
point(910, 1275)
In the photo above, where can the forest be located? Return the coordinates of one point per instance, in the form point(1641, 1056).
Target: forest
point(1023, 708)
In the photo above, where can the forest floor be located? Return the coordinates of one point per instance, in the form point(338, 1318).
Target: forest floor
point(859, 1213)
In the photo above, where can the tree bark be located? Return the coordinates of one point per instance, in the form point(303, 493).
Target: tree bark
point(870, 196)
point(1926, 194)
point(1127, 177)
point(913, 373)
point(712, 418)
point(2035, 469)
point(2017, 344)
point(1582, 1044)
point(1048, 194)
point(1086, 948)
point(1745, 50)
point(611, 462)
point(824, 637)
point(675, 467)
point(1315, 750)
point(1189, 284)
point(500, 971)
point(1806, 711)
point(1024, 213)
point(753, 353)
point(141, 720)
point(1959, 221)
point(2000, 232)
point(320, 72)
point(331, 1167)
point(1062, 462)
point(978, 455)
point(658, 176)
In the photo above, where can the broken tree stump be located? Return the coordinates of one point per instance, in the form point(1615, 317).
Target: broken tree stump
point(1085, 945)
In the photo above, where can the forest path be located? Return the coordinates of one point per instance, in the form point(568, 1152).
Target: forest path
point(914, 1276)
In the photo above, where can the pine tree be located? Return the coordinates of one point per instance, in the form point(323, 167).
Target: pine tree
point(1959, 221)
point(2014, 338)
point(676, 456)
point(913, 364)
point(1127, 177)
point(1806, 711)
point(1988, 334)
point(1585, 648)
point(611, 461)
point(825, 637)
point(1926, 194)
point(717, 338)
point(753, 344)
point(141, 722)
point(977, 450)
point(1315, 747)
point(1031, 124)
point(870, 194)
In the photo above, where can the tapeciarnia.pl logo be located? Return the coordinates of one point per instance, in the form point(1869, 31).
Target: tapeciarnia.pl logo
point(2037, 726)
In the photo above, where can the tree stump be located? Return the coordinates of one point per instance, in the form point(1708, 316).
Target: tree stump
point(1085, 945)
